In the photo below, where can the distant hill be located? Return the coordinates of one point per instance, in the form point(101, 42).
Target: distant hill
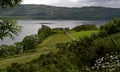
point(57, 13)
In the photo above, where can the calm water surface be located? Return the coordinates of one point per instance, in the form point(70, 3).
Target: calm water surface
point(32, 26)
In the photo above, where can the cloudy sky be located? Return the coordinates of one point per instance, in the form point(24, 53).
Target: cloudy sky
point(76, 3)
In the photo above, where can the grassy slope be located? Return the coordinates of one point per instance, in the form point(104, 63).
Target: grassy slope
point(43, 48)
point(51, 41)
point(77, 35)
point(23, 58)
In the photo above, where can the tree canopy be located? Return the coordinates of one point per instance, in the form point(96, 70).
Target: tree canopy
point(9, 3)
point(9, 27)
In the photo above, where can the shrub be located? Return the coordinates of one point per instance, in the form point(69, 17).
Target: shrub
point(102, 33)
point(15, 67)
point(61, 45)
point(29, 42)
point(83, 55)
point(85, 27)
point(111, 27)
point(8, 50)
point(45, 30)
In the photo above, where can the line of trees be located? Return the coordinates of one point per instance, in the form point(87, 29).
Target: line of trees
point(28, 43)
point(9, 27)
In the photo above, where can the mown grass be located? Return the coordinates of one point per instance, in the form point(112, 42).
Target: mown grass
point(77, 35)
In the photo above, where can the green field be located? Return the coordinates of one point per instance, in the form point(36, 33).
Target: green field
point(77, 35)
point(45, 47)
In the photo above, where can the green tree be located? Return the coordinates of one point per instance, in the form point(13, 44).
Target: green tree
point(9, 3)
point(29, 42)
point(112, 26)
point(19, 47)
point(45, 30)
point(9, 27)
point(3, 50)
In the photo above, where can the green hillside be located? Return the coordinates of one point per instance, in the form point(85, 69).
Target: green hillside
point(64, 50)
point(52, 12)
point(43, 48)
point(83, 51)
point(48, 45)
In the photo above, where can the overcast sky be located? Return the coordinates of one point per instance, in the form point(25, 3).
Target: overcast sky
point(76, 3)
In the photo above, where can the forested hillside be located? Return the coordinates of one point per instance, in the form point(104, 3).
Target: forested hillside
point(52, 12)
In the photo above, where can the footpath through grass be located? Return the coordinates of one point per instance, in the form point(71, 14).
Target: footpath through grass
point(45, 47)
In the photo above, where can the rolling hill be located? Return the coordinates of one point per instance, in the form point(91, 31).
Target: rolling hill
point(45, 12)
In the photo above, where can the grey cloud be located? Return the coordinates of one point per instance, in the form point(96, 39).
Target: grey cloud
point(101, 0)
point(106, 3)
point(97, 1)
point(80, 3)
point(68, 3)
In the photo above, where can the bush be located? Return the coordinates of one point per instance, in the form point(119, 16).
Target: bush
point(83, 55)
point(29, 42)
point(111, 27)
point(9, 50)
point(102, 33)
point(77, 55)
point(45, 30)
point(61, 45)
point(85, 27)
point(15, 67)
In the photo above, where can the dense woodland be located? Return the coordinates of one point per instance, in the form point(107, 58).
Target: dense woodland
point(60, 13)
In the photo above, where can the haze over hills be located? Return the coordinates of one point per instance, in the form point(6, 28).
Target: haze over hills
point(45, 12)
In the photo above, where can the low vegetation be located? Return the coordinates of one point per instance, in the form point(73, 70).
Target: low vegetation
point(28, 43)
point(97, 52)
point(85, 28)
point(9, 28)
point(88, 33)
point(111, 27)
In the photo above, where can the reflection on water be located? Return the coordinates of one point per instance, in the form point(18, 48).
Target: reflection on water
point(32, 26)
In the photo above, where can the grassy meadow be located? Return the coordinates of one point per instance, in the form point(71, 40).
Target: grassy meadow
point(80, 34)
